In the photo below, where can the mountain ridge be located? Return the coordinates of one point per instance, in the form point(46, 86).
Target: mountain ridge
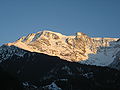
point(71, 48)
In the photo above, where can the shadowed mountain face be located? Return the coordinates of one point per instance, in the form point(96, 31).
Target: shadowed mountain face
point(43, 72)
point(71, 48)
point(9, 82)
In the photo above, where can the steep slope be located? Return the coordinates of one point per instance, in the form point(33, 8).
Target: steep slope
point(71, 48)
point(116, 63)
point(40, 72)
point(105, 55)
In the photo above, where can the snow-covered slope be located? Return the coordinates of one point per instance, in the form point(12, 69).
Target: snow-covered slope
point(116, 63)
point(104, 55)
point(71, 48)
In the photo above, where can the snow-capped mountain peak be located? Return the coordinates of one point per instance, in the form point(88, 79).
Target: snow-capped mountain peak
point(71, 48)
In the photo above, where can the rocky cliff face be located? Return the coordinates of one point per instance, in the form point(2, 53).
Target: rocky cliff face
point(71, 48)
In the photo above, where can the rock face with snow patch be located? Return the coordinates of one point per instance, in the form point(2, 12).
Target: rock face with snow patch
point(105, 55)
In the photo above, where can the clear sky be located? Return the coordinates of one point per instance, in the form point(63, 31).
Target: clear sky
point(98, 18)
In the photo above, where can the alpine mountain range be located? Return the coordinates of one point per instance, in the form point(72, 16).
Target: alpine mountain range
point(48, 60)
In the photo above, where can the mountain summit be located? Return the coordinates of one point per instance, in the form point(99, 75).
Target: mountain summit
point(71, 48)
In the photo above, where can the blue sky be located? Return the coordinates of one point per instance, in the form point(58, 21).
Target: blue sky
point(97, 18)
